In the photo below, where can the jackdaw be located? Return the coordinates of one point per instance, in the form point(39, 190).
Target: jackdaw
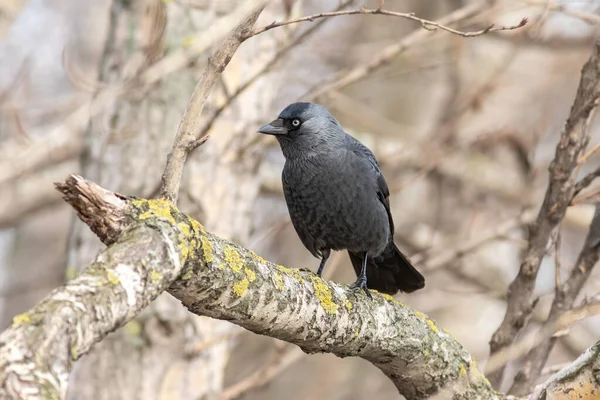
point(338, 199)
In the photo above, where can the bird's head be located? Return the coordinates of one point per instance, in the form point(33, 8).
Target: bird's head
point(304, 127)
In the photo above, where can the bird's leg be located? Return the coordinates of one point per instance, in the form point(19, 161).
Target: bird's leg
point(324, 257)
point(361, 282)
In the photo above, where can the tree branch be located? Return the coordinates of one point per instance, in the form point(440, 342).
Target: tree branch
point(224, 281)
point(189, 132)
point(426, 24)
point(559, 194)
point(563, 301)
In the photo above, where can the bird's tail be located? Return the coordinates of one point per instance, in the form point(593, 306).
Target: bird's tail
point(389, 272)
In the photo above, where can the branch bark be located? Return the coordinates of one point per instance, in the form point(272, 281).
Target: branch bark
point(560, 192)
point(223, 281)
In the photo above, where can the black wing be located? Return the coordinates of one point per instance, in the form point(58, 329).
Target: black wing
point(383, 192)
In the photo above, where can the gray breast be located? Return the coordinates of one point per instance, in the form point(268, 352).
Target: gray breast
point(333, 204)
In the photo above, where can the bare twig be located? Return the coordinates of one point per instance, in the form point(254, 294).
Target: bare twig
point(530, 341)
point(263, 376)
point(558, 196)
point(264, 70)
point(425, 24)
point(566, 293)
point(459, 250)
point(188, 133)
point(590, 18)
point(586, 181)
point(350, 76)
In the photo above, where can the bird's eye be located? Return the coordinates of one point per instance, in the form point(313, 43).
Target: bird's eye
point(296, 122)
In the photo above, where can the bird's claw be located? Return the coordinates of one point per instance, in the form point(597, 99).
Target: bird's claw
point(361, 284)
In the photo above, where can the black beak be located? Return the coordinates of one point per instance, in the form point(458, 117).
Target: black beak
point(274, 128)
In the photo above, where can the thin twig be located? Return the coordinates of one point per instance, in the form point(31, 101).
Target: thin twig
point(461, 249)
point(498, 360)
point(188, 133)
point(425, 24)
point(265, 69)
point(352, 75)
point(263, 376)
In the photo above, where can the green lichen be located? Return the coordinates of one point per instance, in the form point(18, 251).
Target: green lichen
point(278, 281)
point(21, 319)
point(233, 258)
point(324, 295)
point(250, 274)
point(240, 287)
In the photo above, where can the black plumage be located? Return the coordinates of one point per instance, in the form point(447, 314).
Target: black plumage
point(338, 198)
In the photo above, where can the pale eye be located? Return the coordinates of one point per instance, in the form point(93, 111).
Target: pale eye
point(296, 122)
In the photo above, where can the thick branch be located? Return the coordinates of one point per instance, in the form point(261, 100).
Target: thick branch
point(579, 380)
point(227, 282)
point(558, 196)
point(37, 351)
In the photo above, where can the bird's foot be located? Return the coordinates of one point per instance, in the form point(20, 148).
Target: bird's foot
point(361, 284)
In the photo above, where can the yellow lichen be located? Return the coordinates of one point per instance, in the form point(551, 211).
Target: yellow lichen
point(348, 304)
point(462, 371)
point(233, 258)
point(324, 295)
point(426, 352)
point(240, 287)
point(74, 352)
point(184, 247)
point(21, 319)
point(196, 226)
point(71, 273)
point(297, 275)
point(356, 332)
point(449, 334)
point(419, 314)
point(133, 328)
point(188, 41)
point(112, 277)
point(432, 325)
point(475, 374)
point(388, 297)
point(160, 208)
point(283, 269)
point(278, 281)
point(155, 276)
point(207, 250)
point(250, 274)
point(258, 258)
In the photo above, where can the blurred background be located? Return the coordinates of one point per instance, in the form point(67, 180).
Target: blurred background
point(464, 129)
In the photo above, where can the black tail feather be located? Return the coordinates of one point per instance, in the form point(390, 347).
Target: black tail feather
point(389, 272)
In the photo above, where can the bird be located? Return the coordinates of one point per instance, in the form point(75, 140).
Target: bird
point(338, 199)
